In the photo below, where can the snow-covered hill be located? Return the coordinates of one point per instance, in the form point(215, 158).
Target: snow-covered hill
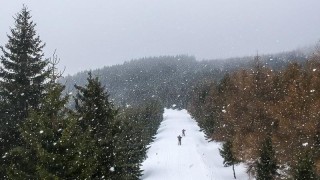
point(195, 159)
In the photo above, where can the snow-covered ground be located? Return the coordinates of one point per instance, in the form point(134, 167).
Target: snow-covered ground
point(195, 159)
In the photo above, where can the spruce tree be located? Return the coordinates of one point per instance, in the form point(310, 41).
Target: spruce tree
point(22, 76)
point(23, 70)
point(267, 164)
point(97, 113)
point(228, 156)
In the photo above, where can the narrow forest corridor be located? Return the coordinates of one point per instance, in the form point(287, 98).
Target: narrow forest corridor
point(196, 158)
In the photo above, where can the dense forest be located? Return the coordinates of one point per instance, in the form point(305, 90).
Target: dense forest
point(42, 138)
point(98, 124)
point(248, 106)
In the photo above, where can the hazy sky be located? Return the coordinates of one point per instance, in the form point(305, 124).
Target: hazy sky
point(92, 34)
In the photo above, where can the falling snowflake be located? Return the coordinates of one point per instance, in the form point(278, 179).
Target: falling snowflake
point(112, 169)
point(314, 70)
point(5, 155)
point(305, 144)
point(224, 111)
point(41, 132)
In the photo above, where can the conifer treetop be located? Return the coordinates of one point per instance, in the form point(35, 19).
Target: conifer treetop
point(23, 55)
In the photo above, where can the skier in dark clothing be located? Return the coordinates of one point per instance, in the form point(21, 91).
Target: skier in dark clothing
point(179, 140)
point(183, 132)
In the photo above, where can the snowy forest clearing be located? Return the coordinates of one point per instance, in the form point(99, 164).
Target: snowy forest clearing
point(196, 158)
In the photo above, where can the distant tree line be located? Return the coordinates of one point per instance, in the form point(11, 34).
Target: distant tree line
point(270, 117)
point(166, 79)
point(169, 79)
point(42, 138)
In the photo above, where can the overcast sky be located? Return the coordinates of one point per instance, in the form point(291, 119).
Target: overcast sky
point(92, 34)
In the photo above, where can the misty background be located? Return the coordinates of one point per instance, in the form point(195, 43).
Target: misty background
point(93, 34)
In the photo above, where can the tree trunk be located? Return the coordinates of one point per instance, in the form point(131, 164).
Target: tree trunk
point(234, 173)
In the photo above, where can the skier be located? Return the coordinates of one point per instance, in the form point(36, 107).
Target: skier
point(179, 140)
point(183, 132)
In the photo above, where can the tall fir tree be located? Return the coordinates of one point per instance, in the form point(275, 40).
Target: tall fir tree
point(22, 77)
point(98, 113)
point(267, 164)
point(229, 158)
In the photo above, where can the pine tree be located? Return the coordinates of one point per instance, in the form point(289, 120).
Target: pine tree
point(305, 168)
point(267, 164)
point(22, 77)
point(55, 147)
point(228, 156)
point(97, 113)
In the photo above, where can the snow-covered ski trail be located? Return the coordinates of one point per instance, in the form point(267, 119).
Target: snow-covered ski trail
point(195, 159)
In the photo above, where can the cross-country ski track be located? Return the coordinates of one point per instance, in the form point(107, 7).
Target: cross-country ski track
point(195, 159)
